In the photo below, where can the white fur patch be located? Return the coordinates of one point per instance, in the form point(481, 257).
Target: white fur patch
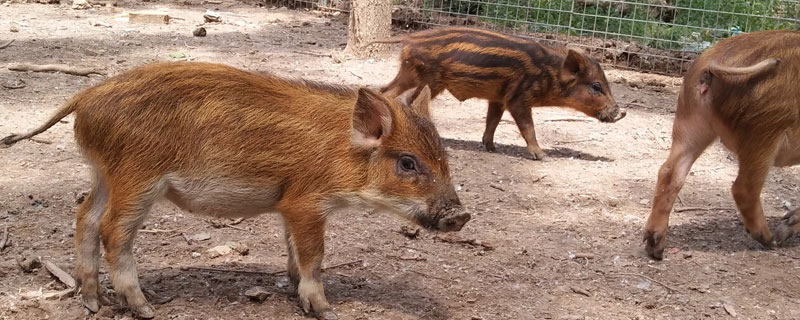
point(220, 198)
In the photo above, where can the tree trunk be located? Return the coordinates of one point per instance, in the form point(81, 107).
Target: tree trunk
point(370, 20)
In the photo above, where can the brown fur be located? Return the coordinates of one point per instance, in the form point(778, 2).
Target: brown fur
point(744, 91)
point(514, 74)
point(220, 141)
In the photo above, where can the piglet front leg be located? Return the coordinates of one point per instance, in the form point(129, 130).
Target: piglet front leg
point(305, 235)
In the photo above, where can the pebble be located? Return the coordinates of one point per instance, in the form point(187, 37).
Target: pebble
point(257, 294)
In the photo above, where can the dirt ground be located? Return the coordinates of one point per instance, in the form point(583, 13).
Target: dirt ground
point(521, 257)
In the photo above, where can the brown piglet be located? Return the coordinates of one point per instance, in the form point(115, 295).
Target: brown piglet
point(219, 141)
point(513, 73)
point(743, 91)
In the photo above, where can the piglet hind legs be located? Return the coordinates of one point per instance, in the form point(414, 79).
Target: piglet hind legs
point(305, 237)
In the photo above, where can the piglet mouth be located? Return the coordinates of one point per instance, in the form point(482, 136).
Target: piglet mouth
point(614, 117)
point(445, 223)
point(453, 223)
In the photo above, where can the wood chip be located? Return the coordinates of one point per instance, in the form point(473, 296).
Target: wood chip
point(60, 274)
point(4, 240)
point(148, 17)
point(729, 309)
point(580, 291)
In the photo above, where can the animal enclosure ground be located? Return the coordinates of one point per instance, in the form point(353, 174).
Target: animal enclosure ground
point(559, 239)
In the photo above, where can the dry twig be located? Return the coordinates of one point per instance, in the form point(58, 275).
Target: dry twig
point(568, 120)
point(701, 209)
point(4, 240)
point(431, 276)
point(55, 68)
point(5, 45)
point(273, 273)
point(312, 53)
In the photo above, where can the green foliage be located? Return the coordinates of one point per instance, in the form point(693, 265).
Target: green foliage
point(686, 25)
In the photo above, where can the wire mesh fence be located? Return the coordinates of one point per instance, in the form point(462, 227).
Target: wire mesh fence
point(660, 36)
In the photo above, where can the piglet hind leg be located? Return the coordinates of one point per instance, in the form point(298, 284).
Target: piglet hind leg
point(128, 206)
point(305, 225)
point(691, 135)
point(755, 160)
point(87, 242)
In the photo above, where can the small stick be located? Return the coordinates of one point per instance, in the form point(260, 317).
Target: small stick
point(188, 241)
point(157, 230)
point(42, 141)
point(658, 141)
point(580, 255)
point(7, 44)
point(431, 276)
point(644, 277)
point(539, 178)
point(55, 68)
point(412, 248)
point(353, 73)
point(312, 53)
point(496, 187)
point(212, 2)
point(701, 209)
point(235, 227)
point(568, 120)
point(577, 141)
point(236, 221)
point(264, 272)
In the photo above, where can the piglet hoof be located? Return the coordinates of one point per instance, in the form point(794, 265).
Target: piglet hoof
point(92, 303)
point(654, 245)
point(489, 146)
point(538, 154)
point(327, 315)
point(787, 228)
point(145, 311)
point(764, 237)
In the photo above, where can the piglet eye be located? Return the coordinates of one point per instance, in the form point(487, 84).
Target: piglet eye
point(407, 164)
point(597, 87)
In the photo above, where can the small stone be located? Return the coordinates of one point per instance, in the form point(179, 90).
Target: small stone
point(80, 5)
point(201, 237)
point(219, 251)
point(211, 16)
point(199, 32)
point(195, 254)
point(13, 29)
point(240, 248)
point(29, 264)
point(257, 294)
point(729, 309)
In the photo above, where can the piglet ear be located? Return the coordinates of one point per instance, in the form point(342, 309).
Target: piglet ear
point(421, 103)
point(372, 119)
point(575, 64)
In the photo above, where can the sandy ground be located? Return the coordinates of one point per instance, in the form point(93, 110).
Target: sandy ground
point(529, 217)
